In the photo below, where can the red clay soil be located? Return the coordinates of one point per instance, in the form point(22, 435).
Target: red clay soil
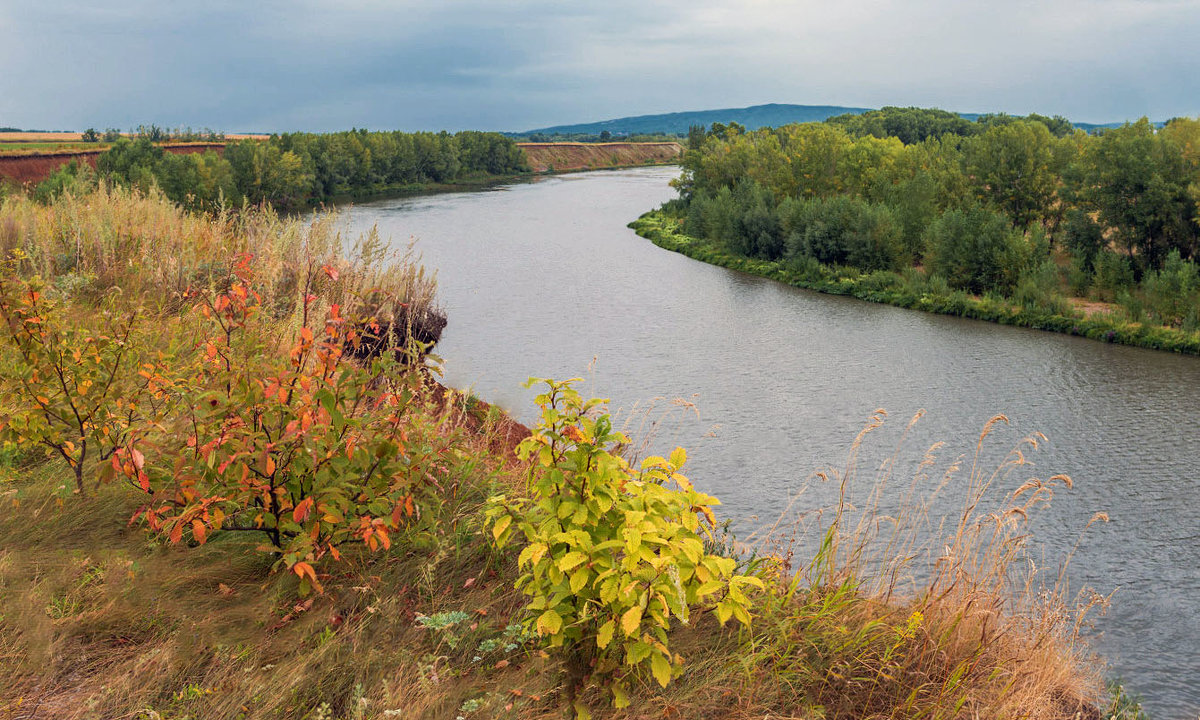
point(36, 167)
point(595, 156)
point(502, 433)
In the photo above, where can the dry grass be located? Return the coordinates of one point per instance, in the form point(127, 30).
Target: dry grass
point(911, 613)
point(119, 241)
point(13, 137)
point(71, 137)
point(101, 621)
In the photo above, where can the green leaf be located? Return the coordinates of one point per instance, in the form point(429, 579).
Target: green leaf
point(620, 697)
point(579, 579)
point(608, 590)
point(635, 652)
point(549, 623)
point(661, 669)
point(581, 711)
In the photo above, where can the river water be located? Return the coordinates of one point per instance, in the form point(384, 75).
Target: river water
point(543, 279)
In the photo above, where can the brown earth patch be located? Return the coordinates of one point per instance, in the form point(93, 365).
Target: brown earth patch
point(545, 157)
point(35, 167)
point(1091, 308)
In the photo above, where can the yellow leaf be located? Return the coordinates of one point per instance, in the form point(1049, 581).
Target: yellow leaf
point(678, 457)
point(570, 560)
point(549, 623)
point(500, 526)
point(604, 634)
point(631, 620)
point(537, 550)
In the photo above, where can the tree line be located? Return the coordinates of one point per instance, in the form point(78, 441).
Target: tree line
point(1023, 208)
point(293, 170)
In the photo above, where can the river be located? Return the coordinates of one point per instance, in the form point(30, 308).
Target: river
point(543, 279)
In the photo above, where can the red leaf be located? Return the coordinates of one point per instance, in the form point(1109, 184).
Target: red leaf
point(302, 511)
point(303, 569)
point(331, 272)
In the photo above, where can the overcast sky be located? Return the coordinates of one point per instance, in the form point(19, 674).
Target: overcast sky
point(270, 65)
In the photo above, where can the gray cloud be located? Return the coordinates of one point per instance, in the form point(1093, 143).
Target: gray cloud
point(276, 65)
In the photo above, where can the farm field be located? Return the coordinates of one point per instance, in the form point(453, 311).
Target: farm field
point(21, 143)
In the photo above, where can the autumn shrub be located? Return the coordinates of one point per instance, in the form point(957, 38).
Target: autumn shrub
point(612, 554)
point(273, 382)
point(289, 436)
point(81, 390)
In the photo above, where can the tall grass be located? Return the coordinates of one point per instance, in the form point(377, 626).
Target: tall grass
point(919, 612)
point(143, 247)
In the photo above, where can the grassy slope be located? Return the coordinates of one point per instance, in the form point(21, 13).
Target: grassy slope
point(102, 620)
point(664, 232)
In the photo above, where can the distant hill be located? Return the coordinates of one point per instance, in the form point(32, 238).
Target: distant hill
point(754, 117)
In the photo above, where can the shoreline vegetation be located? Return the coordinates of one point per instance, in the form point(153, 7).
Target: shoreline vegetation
point(301, 171)
point(895, 289)
point(1020, 221)
point(230, 487)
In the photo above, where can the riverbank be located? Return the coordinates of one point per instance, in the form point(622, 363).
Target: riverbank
point(33, 166)
point(570, 156)
point(893, 289)
point(26, 163)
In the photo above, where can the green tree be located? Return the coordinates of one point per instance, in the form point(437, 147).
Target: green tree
point(1139, 185)
point(262, 172)
point(131, 162)
point(975, 249)
point(1015, 167)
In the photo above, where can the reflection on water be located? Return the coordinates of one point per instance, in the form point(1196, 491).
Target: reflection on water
point(543, 278)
